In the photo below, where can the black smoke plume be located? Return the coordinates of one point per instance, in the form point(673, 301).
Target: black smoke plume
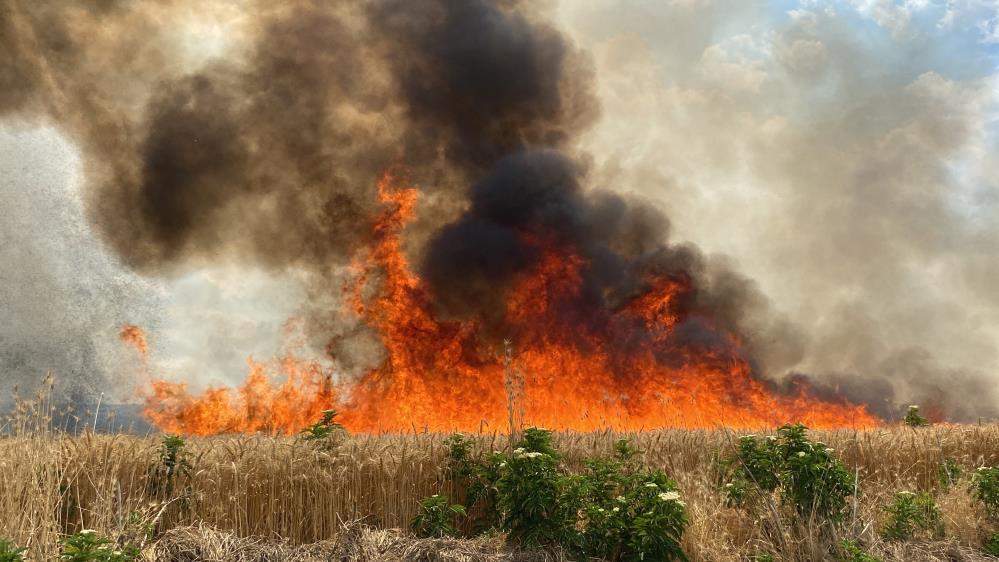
point(269, 153)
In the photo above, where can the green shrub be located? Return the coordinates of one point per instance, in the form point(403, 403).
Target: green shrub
point(532, 492)
point(477, 477)
point(850, 551)
point(615, 509)
point(10, 552)
point(628, 513)
point(914, 419)
point(992, 545)
point(88, 546)
point(806, 474)
point(758, 463)
point(911, 513)
point(323, 429)
point(762, 557)
point(987, 488)
point(436, 517)
point(174, 462)
point(949, 473)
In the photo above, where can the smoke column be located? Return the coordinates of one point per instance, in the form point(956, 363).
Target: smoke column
point(268, 155)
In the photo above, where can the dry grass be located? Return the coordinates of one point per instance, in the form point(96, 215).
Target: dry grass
point(291, 491)
point(354, 543)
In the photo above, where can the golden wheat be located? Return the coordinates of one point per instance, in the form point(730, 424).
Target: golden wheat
point(285, 488)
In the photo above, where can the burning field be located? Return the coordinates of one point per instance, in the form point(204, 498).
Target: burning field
point(420, 171)
point(571, 361)
point(536, 272)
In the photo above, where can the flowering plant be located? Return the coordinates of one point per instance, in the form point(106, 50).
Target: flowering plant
point(806, 474)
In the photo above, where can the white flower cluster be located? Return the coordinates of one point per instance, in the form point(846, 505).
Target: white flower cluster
point(521, 453)
point(671, 496)
point(651, 485)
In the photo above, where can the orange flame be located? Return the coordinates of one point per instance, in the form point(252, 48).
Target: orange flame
point(259, 405)
point(135, 336)
point(576, 368)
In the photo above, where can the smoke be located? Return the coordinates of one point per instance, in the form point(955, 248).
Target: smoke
point(843, 156)
point(63, 299)
point(262, 147)
point(268, 154)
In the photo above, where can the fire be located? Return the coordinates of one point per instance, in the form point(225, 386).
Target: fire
point(135, 336)
point(567, 364)
point(259, 405)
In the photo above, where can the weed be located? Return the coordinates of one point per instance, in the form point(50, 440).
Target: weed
point(949, 473)
point(477, 479)
point(913, 417)
point(628, 513)
point(991, 546)
point(323, 429)
point(436, 517)
point(174, 461)
point(987, 489)
point(850, 551)
point(10, 552)
point(615, 509)
point(531, 490)
point(88, 546)
point(911, 513)
point(807, 474)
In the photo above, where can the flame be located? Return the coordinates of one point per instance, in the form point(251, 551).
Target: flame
point(259, 405)
point(135, 336)
point(567, 365)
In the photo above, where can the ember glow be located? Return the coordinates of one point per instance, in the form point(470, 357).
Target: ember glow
point(566, 365)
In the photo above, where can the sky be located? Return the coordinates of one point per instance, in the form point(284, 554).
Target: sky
point(842, 155)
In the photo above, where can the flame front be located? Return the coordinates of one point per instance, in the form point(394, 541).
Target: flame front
point(572, 365)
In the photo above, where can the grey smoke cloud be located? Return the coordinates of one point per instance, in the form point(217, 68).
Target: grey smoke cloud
point(846, 184)
point(63, 298)
point(843, 157)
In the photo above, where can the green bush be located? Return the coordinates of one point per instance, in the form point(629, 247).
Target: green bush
point(532, 493)
point(850, 551)
point(88, 546)
point(949, 473)
point(987, 488)
point(806, 474)
point(628, 514)
point(436, 517)
point(174, 462)
point(478, 478)
point(914, 419)
point(992, 545)
point(323, 429)
point(10, 552)
point(911, 513)
point(615, 509)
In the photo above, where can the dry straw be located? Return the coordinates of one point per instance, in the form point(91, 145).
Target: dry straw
point(286, 491)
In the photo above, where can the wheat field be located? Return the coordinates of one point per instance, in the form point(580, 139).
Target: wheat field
point(287, 489)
